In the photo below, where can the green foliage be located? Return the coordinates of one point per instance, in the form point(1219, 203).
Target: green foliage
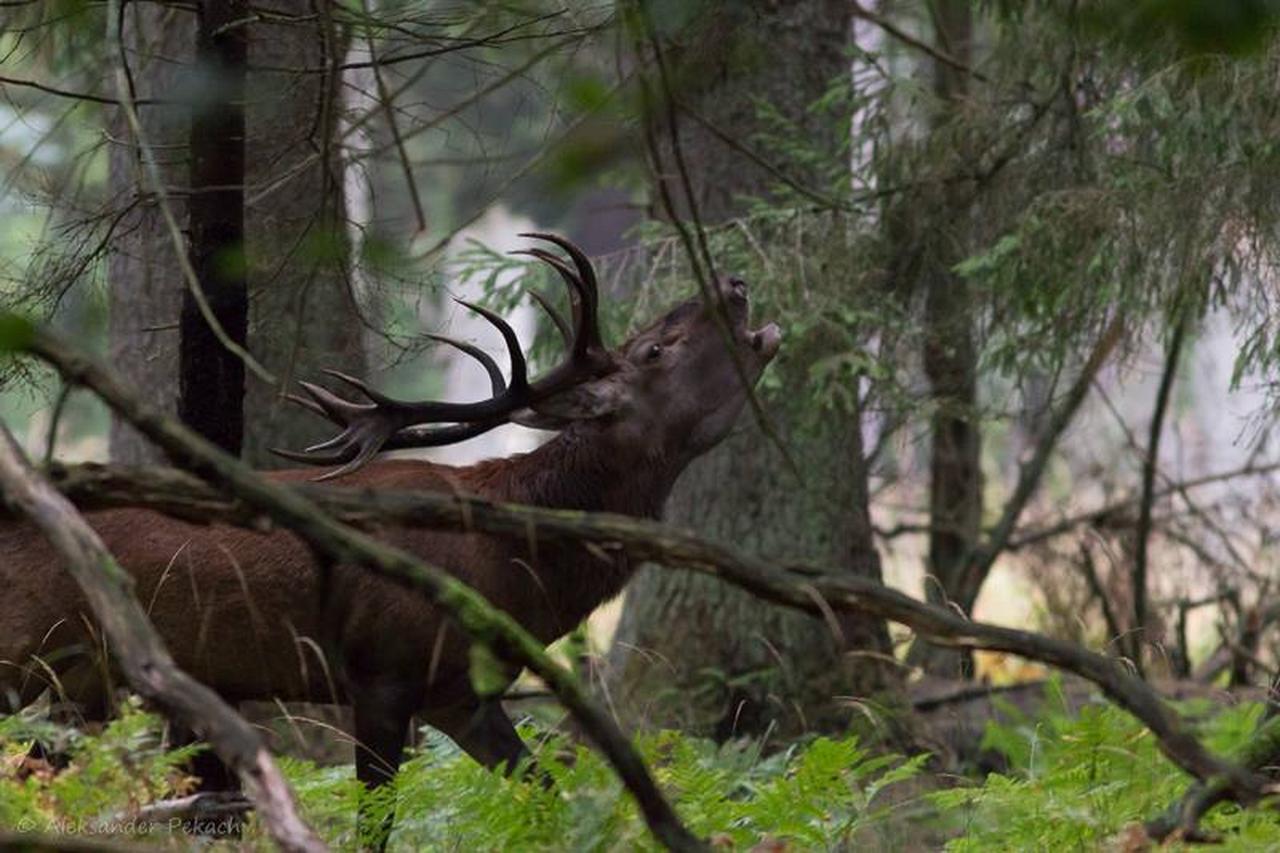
point(15, 332)
point(110, 774)
point(1076, 781)
point(821, 795)
point(818, 796)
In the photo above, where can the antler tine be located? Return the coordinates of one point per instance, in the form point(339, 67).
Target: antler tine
point(579, 296)
point(368, 427)
point(587, 277)
point(360, 385)
point(497, 381)
point(576, 287)
point(333, 407)
point(519, 369)
point(338, 440)
point(556, 317)
point(367, 452)
point(314, 459)
point(306, 403)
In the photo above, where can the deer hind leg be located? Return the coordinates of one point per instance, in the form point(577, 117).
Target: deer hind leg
point(485, 732)
point(382, 713)
point(78, 686)
point(215, 779)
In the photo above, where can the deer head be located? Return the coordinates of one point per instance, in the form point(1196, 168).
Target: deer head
point(673, 389)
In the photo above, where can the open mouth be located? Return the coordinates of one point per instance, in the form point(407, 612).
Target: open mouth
point(766, 340)
point(763, 341)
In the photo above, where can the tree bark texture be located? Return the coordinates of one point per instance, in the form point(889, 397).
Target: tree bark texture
point(145, 282)
point(690, 650)
point(302, 314)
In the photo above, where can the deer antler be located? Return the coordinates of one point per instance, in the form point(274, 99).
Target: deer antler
point(387, 423)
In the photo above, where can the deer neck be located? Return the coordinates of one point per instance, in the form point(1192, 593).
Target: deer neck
point(583, 469)
point(579, 469)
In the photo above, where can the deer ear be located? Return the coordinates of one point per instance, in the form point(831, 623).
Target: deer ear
point(582, 402)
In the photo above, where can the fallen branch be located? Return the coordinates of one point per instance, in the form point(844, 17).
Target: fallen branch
point(483, 623)
point(804, 587)
point(141, 653)
point(205, 807)
point(1260, 752)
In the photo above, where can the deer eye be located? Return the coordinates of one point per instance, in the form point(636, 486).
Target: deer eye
point(654, 351)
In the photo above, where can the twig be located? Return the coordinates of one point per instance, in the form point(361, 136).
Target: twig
point(772, 168)
point(205, 806)
point(387, 102)
point(55, 421)
point(1098, 515)
point(142, 655)
point(79, 96)
point(1090, 571)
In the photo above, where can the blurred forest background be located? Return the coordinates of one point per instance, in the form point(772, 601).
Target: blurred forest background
point(1023, 253)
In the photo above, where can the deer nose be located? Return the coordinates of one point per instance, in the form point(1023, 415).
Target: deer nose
point(738, 288)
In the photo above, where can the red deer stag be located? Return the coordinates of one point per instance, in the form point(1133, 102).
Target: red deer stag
point(246, 613)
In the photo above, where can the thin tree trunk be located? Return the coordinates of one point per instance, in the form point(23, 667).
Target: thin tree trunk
point(692, 651)
point(1142, 535)
point(950, 364)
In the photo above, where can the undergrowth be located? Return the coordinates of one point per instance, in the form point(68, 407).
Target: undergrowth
point(1078, 782)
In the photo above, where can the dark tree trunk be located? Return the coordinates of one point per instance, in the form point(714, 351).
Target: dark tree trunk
point(210, 375)
point(691, 651)
point(950, 364)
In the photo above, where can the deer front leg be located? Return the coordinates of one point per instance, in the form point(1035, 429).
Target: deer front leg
point(382, 713)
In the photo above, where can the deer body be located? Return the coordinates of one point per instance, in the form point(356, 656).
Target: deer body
point(253, 616)
point(245, 611)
